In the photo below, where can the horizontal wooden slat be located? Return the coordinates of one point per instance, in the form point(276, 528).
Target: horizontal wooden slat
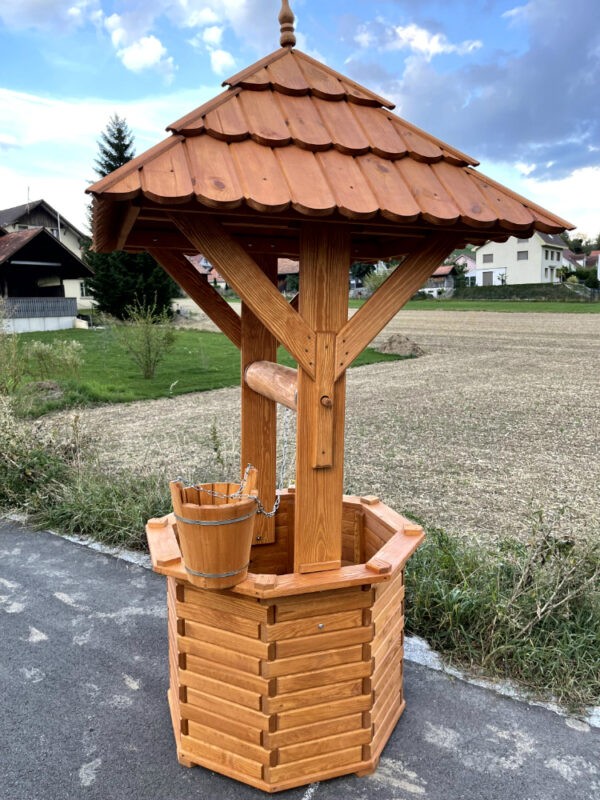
point(388, 669)
point(217, 705)
point(385, 643)
point(319, 625)
point(221, 655)
point(322, 603)
point(240, 644)
point(327, 641)
point(310, 765)
point(312, 661)
point(208, 735)
point(218, 619)
point(226, 603)
point(219, 689)
point(388, 695)
point(236, 677)
point(306, 733)
point(192, 747)
point(312, 714)
point(385, 730)
point(221, 723)
point(309, 697)
point(329, 744)
point(307, 680)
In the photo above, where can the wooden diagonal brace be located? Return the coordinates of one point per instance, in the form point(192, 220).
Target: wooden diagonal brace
point(244, 275)
point(385, 303)
point(201, 292)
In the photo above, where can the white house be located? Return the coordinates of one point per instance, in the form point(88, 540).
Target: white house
point(40, 214)
point(533, 260)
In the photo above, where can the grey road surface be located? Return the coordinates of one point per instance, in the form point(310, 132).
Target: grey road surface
point(83, 707)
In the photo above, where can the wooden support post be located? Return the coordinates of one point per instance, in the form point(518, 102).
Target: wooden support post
point(201, 292)
point(259, 413)
point(324, 278)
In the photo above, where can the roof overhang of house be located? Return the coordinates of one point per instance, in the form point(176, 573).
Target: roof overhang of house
point(38, 246)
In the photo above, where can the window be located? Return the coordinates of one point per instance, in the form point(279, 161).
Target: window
point(82, 289)
point(546, 272)
point(522, 255)
point(522, 241)
point(546, 254)
point(472, 281)
point(488, 278)
point(488, 258)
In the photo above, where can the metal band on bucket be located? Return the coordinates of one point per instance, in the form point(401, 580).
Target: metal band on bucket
point(214, 522)
point(216, 574)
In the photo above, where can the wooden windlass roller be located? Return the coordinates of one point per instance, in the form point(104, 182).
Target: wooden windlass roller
point(295, 674)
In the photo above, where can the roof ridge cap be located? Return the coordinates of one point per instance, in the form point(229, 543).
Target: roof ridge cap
point(256, 67)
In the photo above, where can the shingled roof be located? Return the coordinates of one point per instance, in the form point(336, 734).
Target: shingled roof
point(290, 134)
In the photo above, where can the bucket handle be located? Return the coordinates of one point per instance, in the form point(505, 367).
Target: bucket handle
point(214, 522)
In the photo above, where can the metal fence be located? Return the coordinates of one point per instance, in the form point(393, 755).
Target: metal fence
point(27, 307)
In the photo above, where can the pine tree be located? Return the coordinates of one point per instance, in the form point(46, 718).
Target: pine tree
point(124, 279)
point(115, 146)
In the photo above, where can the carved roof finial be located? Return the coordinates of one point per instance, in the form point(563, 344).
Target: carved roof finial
point(286, 20)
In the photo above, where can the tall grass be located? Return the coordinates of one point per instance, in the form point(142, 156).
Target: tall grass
point(525, 610)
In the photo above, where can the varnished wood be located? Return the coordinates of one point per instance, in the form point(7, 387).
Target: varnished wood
point(196, 286)
point(244, 275)
point(295, 687)
point(324, 305)
point(259, 413)
point(273, 381)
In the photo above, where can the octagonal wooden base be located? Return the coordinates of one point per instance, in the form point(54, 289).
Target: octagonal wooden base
point(289, 679)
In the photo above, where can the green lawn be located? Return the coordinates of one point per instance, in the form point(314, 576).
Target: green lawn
point(199, 361)
point(496, 305)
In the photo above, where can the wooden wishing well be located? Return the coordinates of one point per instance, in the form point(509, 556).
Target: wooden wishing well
point(295, 674)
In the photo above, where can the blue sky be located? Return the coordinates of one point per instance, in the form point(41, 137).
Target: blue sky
point(515, 85)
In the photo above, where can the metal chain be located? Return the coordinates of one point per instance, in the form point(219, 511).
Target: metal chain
point(240, 492)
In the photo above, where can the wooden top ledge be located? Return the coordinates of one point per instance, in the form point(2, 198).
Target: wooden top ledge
point(404, 539)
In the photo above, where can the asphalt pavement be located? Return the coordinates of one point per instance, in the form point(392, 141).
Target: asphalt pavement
point(83, 708)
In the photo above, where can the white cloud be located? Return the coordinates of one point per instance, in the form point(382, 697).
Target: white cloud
point(411, 37)
point(213, 35)
point(7, 141)
point(145, 53)
point(221, 61)
point(574, 197)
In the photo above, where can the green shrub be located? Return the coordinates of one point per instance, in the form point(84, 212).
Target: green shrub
point(145, 336)
point(541, 292)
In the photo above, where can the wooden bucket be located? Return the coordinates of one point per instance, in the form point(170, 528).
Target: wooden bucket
point(215, 533)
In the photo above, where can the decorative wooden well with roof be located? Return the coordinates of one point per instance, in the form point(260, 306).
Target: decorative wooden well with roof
point(295, 674)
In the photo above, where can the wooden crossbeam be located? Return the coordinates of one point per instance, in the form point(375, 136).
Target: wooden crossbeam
point(246, 278)
point(385, 303)
point(201, 292)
